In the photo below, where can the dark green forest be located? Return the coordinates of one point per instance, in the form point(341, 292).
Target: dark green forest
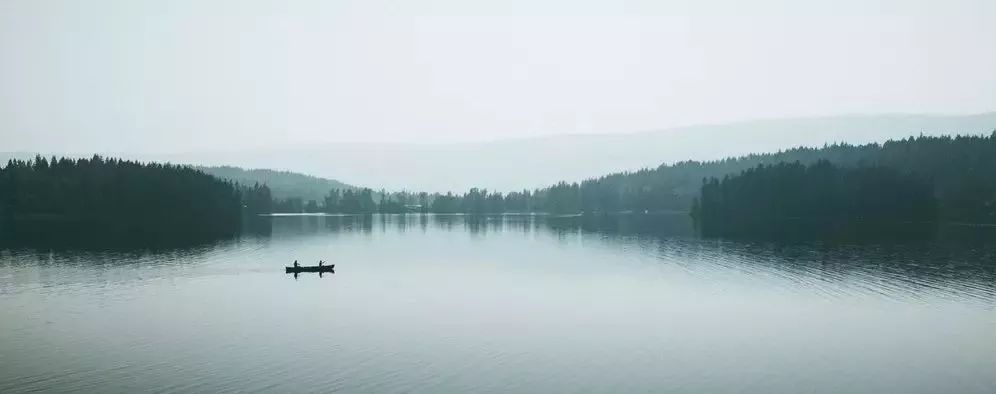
point(775, 200)
point(113, 200)
point(959, 168)
point(918, 179)
point(959, 172)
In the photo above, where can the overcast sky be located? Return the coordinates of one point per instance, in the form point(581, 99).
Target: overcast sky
point(195, 75)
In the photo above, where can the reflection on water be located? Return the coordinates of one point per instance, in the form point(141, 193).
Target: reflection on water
point(453, 303)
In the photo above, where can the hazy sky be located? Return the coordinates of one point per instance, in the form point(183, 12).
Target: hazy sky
point(192, 75)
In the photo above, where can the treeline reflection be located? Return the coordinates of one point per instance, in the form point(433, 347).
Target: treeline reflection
point(675, 225)
point(924, 260)
point(663, 225)
point(958, 260)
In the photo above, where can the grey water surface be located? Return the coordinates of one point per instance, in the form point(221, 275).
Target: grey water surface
point(440, 304)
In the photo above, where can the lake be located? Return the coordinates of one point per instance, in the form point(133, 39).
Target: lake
point(439, 304)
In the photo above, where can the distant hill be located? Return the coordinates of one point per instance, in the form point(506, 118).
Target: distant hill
point(507, 165)
point(282, 184)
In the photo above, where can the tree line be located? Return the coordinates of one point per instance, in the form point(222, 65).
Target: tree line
point(366, 201)
point(959, 170)
point(775, 200)
point(102, 201)
point(114, 199)
point(119, 196)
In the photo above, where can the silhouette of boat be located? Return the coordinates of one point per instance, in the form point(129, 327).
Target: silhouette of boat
point(313, 268)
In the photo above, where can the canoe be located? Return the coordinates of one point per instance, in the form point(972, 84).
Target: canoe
point(314, 268)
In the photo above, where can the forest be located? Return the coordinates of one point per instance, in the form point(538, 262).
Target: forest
point(959, 168)
point(956, 169)
point(98, 199)
point(917, 179)
point(772, 200)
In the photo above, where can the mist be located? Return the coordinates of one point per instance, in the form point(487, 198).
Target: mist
point(510, 196)
point(142, 77)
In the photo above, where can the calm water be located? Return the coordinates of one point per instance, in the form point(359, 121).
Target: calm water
point(515, 304)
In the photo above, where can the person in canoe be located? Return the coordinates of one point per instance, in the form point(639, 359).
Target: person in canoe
point(295, 264)
point(320, 265)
